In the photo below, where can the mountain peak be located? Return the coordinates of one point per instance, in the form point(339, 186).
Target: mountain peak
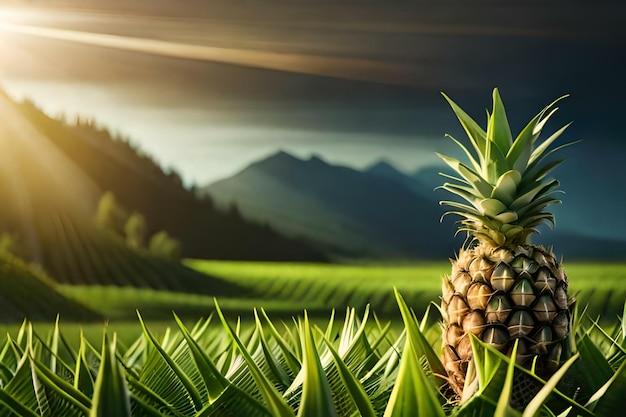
point(281, 155)
point(385, 168)
point(283, 160)
point(279, 159)
point(316, 159)
point(382, 166)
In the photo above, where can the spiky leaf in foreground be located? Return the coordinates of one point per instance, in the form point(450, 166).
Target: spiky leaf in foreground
point(402, 377)
point(503, 289)
point(316, 395)
point(414, 394)
point(111, 396)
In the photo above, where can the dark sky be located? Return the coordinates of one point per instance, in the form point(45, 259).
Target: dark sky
point(534, 51)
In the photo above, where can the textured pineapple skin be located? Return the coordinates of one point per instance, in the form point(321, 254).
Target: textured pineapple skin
point(501, 295)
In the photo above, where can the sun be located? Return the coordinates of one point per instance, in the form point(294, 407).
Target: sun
point(11, 15)
point(20, 51)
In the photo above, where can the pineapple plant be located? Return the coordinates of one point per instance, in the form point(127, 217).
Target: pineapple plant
point(502, 288)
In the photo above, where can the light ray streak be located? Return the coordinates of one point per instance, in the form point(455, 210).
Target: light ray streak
point(321, 65)
point(55, 169)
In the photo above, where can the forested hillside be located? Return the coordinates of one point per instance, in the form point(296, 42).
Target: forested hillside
point(108, 163)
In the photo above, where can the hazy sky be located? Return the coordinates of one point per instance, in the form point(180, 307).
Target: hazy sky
point(214, 85)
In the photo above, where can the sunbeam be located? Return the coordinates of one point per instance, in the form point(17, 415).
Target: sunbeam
point(37, 179)
point(322, 65)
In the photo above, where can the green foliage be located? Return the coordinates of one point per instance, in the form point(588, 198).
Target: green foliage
point(6, 243)
point(415, 392)
point(111, 396)
point(504, 186)
point(355, 367)
point(164, 246)
point(110, 215)
point(135, 231)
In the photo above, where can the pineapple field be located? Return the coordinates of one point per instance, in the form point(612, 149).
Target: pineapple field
point(246, 208)
point(285, 289)
point(356, 365)
point(510, 330)
point(283, 360)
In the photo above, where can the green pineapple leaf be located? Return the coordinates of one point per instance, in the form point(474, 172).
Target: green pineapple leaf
point(609, 400)
point(470, 157)
point(317, 400)
point(534, 406)
point(83, 378)
point(165, 377)
point(511, 172)
point(505, 189)
point(275, 401)
point(214, 381)
point(498, 130)
point(414, 394)
point(111, 396)
point(503, 408)
point(291, 359)
point(598, 369)
point(539, 150)
point(352, 384)
point(419, 342)
point(19, 394)
point(477, 136)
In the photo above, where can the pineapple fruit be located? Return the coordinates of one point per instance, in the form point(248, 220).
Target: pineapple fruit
point(502, 287)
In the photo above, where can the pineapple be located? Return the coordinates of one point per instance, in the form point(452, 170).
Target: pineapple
point(502, 287)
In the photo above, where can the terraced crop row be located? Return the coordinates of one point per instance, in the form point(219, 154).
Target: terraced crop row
point(25, 291)
point(600, 286)
point(79, 254)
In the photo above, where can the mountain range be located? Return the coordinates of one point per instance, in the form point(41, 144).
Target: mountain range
point(379, 212)
point(338, 209)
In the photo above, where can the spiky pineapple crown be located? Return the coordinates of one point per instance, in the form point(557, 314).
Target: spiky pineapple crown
point(505, 182)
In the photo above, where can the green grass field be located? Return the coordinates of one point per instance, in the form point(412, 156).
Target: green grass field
point(285, 289)
point(601, 286)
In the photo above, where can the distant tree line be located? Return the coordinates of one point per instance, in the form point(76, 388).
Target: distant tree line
point(133, 227)
point(113, 141)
